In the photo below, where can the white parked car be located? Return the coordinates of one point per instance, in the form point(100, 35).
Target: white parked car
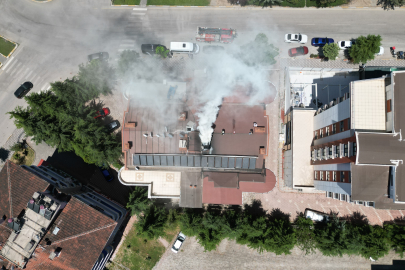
point(381, 52)
point(179, 241)
point(344, 44)
point(296, 38)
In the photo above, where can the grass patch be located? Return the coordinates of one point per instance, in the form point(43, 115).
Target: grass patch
point(126, 2)
point(139, 253)
point(312, 3)
point(24, 157)
point(6, 46)
point(171, 231)
point(179, 2)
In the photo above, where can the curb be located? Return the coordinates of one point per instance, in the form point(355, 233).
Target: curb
point(41, 2)
point(12, 51)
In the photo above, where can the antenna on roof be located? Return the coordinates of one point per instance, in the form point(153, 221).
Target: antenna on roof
point(145, 135)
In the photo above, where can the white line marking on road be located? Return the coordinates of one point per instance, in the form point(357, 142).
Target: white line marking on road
point(306, 24)
point(11, 66)
point(121, 50)
point(138, 14)
point(37, 80)
point(8, 62)
point(340, 24)
point(43, 87)
point(22, 75)
point(16, 69)
point(29, 74)
point(144, 9)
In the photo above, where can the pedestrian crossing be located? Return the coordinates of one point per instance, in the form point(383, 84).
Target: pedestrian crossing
point(138, 19)
point(19, 72)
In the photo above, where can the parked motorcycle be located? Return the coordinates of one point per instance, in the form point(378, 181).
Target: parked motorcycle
point(392, 49)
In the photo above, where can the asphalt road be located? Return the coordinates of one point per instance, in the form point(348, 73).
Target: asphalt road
point(56, 37)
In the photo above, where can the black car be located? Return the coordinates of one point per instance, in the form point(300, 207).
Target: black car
point(150, 49)
point(213, 49)
point(113, 126)
point(102, 56)
point(23, 89)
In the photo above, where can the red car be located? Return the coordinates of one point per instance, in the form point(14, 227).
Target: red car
point(303, 50)
point(103, 112)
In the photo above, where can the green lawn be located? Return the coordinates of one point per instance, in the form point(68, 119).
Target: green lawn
point(311, 3)
point(138, 253)
point(6, 46)
point(126, 2)
point(297, 3)
point(179, 2)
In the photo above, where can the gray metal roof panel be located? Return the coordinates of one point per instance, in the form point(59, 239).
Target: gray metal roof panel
point(204, 162)
point(252, 163)
point(170, 160)
point(217, 162)
point(238, 164)
point(190, 162)
point(156, 160)
point(177, 161)
point(183, 161)
point(245, 164)
point(163, 161)
point(231, 162)
point(211, 162)
point(143, 160)
point(224, 162)
point(149, 160)
point(136, 160)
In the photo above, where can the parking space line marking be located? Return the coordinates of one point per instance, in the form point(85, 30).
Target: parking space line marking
point(138, 14)
point(8, 62)
point(43, 87)
point(143, 9)
point(49, 87)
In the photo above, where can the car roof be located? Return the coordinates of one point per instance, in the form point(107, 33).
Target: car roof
point(177, 244)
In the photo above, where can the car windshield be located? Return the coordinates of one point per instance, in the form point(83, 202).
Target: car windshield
point(289, 36)
point(343, 43)
point(316, 40)
point(102, 112)
point(113, 124)
point(300, 50)
point(299, 37)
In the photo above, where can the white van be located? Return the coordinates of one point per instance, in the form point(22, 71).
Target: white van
point(184, 47)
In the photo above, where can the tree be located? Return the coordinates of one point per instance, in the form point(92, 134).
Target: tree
point(396, 235)
point(365, 48)
point(270, 3)
point(253, 229)
point(127, 61)
point(151, 224)
point(138, 200)
point(331, 51)
point(304, 231)
point(162, 51)
point(324, 3)
point(67, 125)
point(279, 237)
point(191, 221)
point(331, 237)
point(213, 230)
point(390, 4)
point(258, 52)
point(95, 78)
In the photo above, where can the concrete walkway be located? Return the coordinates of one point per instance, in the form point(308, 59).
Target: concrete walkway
point(143, 3)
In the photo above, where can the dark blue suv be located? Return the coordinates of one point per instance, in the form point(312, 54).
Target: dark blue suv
point(320, 42)
point(107, 176)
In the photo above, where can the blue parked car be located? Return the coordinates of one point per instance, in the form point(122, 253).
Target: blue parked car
point(320, 42)
point(106, 174)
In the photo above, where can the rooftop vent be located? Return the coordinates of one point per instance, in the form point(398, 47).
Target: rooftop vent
point(55, 231)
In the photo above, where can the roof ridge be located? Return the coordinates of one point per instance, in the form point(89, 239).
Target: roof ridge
point(9, 189)
point(81, 234)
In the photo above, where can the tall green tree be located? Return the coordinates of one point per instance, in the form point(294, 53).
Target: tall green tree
point(138, 200)
point(95, 78)
point(253, 229)
point(365, 48)
point(331, 51)
point(127, 62)
point(258, 52)
point(396, 236)
point(151, 224)
point(191, 221)
point(390, 4)
point(305, 234)
point(213, 230)
point(331, 237)
point(279, 237)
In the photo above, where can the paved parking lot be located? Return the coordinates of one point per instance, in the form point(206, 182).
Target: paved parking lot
point(230, 255)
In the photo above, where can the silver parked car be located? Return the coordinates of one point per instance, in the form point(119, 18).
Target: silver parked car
point(179, 241)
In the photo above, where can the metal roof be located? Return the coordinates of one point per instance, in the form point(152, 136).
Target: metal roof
point(203, 161)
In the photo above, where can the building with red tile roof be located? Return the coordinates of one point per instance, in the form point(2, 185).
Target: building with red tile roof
point(168, 156)
point(79, 234)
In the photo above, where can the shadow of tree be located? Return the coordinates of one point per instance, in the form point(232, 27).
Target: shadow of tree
point(255, 209)
point(357, 219)
point(276, 213)
point(4, 154)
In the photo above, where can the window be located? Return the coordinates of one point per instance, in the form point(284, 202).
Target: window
point(327, 176)
point(342, 127)
point(321, 133)
point(320, 153)
point(345, 150)
point(334, 176)
point(333, 128)
point(348, 123)
point(337, 154)
point(315, 175)
point(316, 134)
point(350, 177)
point(330, 152)
point(342, 176)
point(327, 131)
point(354, 148)
point(321, 175)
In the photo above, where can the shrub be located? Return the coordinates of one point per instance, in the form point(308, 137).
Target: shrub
point(331, 51)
